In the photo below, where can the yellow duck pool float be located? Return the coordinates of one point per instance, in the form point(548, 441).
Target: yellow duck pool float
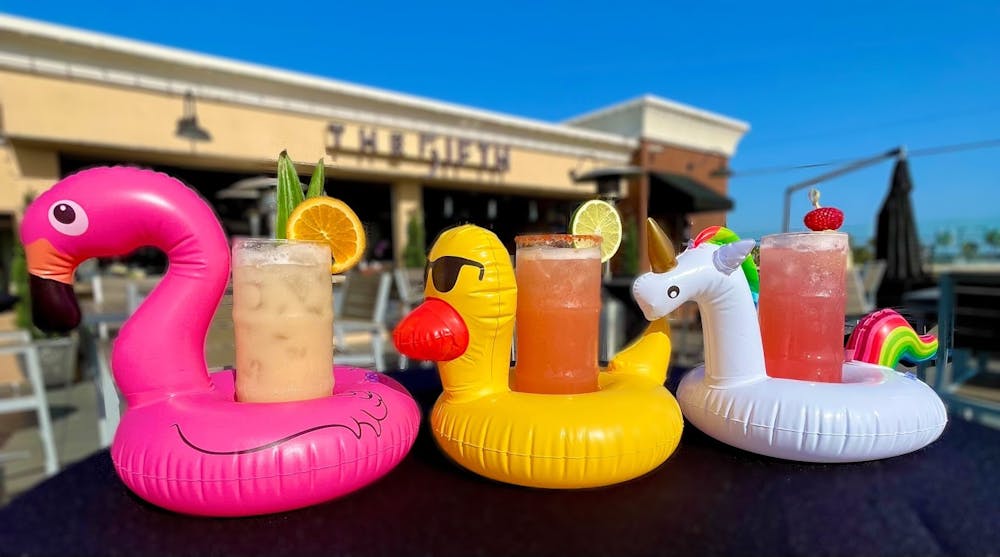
point(466, 323)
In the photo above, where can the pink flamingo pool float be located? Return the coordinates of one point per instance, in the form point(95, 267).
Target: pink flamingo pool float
point(184, 443)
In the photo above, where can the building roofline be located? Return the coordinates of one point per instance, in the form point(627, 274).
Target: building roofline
point(101, 41)
point(665, 104)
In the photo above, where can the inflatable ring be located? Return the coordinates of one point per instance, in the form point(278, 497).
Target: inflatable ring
point(626, 429)
point(184, 443)
point(875, 413)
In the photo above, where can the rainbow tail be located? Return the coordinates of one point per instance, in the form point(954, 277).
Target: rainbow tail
point(884, 338)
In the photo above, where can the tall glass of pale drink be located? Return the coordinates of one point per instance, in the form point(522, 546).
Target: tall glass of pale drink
point(558, 313)
point(802, 304)
point(283, 320)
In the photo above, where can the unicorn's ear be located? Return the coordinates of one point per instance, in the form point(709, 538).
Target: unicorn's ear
point(729, 257)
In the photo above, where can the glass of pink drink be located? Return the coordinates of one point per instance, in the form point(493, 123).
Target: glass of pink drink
point(558, 313)
point(802, 304)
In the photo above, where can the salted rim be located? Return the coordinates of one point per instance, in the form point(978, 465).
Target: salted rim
point(578, 241)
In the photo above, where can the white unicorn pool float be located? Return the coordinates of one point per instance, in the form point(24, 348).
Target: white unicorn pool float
point(876, 412)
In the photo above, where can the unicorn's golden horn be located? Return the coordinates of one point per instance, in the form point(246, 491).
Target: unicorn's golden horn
point(661, 250)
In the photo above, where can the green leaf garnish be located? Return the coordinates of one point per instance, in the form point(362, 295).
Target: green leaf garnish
point(289, 194)
point(316, 182)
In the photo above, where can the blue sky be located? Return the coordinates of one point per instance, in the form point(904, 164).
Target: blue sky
point(815, 83)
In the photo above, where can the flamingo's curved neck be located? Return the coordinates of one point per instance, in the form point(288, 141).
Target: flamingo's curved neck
point(161, 349)
point(733, 351)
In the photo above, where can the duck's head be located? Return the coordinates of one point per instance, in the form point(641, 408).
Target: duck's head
point(467, 319)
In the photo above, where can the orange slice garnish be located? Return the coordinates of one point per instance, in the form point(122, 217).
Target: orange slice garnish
point(329, 220)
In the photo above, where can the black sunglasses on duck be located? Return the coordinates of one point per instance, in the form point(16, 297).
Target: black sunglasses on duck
point(445, 269)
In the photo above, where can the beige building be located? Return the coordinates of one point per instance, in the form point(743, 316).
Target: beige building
point(71, 99)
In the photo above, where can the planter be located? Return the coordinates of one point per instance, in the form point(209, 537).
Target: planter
point(58, 358)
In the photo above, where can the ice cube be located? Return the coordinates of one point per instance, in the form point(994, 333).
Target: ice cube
point(247, 295)
point(306, 253)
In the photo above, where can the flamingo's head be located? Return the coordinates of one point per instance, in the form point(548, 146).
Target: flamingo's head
point(93, 213)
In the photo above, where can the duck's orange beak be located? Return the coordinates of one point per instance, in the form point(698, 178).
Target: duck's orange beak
point(433, 331)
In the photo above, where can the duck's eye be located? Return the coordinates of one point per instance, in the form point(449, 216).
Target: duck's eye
point(68, 217)
point(673, 292)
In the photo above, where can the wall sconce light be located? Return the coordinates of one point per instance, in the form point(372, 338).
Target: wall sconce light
point(608, 179)
point(187, 125)
point(722, 172)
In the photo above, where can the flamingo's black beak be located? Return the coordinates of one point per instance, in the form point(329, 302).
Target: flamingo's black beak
point(54, 307)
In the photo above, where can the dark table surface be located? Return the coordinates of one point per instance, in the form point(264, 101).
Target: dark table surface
point(707, 499)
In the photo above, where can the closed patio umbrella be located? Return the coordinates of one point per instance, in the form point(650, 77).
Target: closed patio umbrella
point(896, 240)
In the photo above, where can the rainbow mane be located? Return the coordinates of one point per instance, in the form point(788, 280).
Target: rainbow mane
point(884, 338)
point(720, 235)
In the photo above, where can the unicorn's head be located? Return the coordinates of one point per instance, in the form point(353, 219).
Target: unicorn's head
point(702, 270)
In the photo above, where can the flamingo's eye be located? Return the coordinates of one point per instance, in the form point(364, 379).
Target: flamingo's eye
point(68, 217)
point(673, 292)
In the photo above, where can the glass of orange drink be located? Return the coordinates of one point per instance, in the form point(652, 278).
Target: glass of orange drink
point(558, 313)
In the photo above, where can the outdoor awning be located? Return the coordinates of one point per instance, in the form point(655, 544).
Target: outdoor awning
point(682, 194)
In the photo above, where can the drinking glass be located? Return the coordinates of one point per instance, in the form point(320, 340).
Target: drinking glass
point(283, 320)
point(558, 313)
point(802, 304)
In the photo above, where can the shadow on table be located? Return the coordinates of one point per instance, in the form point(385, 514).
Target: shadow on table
point(707, 499)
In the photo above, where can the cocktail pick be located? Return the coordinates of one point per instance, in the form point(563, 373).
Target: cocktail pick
point(822, 218)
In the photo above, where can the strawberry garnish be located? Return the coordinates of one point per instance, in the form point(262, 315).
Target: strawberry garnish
point(822, 218)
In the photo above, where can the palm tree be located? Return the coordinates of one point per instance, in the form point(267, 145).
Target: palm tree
point(992, 238)
point(630, 248)
point(414, 253)
point(861, 253)
point(943, 239)
point(970, 249)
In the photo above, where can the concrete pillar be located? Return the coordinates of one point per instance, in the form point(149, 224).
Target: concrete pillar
point(25, 169)
point(639, 193)
point(407, 200)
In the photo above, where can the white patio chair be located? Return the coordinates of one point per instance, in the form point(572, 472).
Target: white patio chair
point(18, 343)
point(859, 303)
point(612, 328)
point(686, 336)
point(128, 294)
point(109, 399)
point(137, 289)
point(410, 289)
point(107, 313)
point(363, 309)
point(872, 273)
